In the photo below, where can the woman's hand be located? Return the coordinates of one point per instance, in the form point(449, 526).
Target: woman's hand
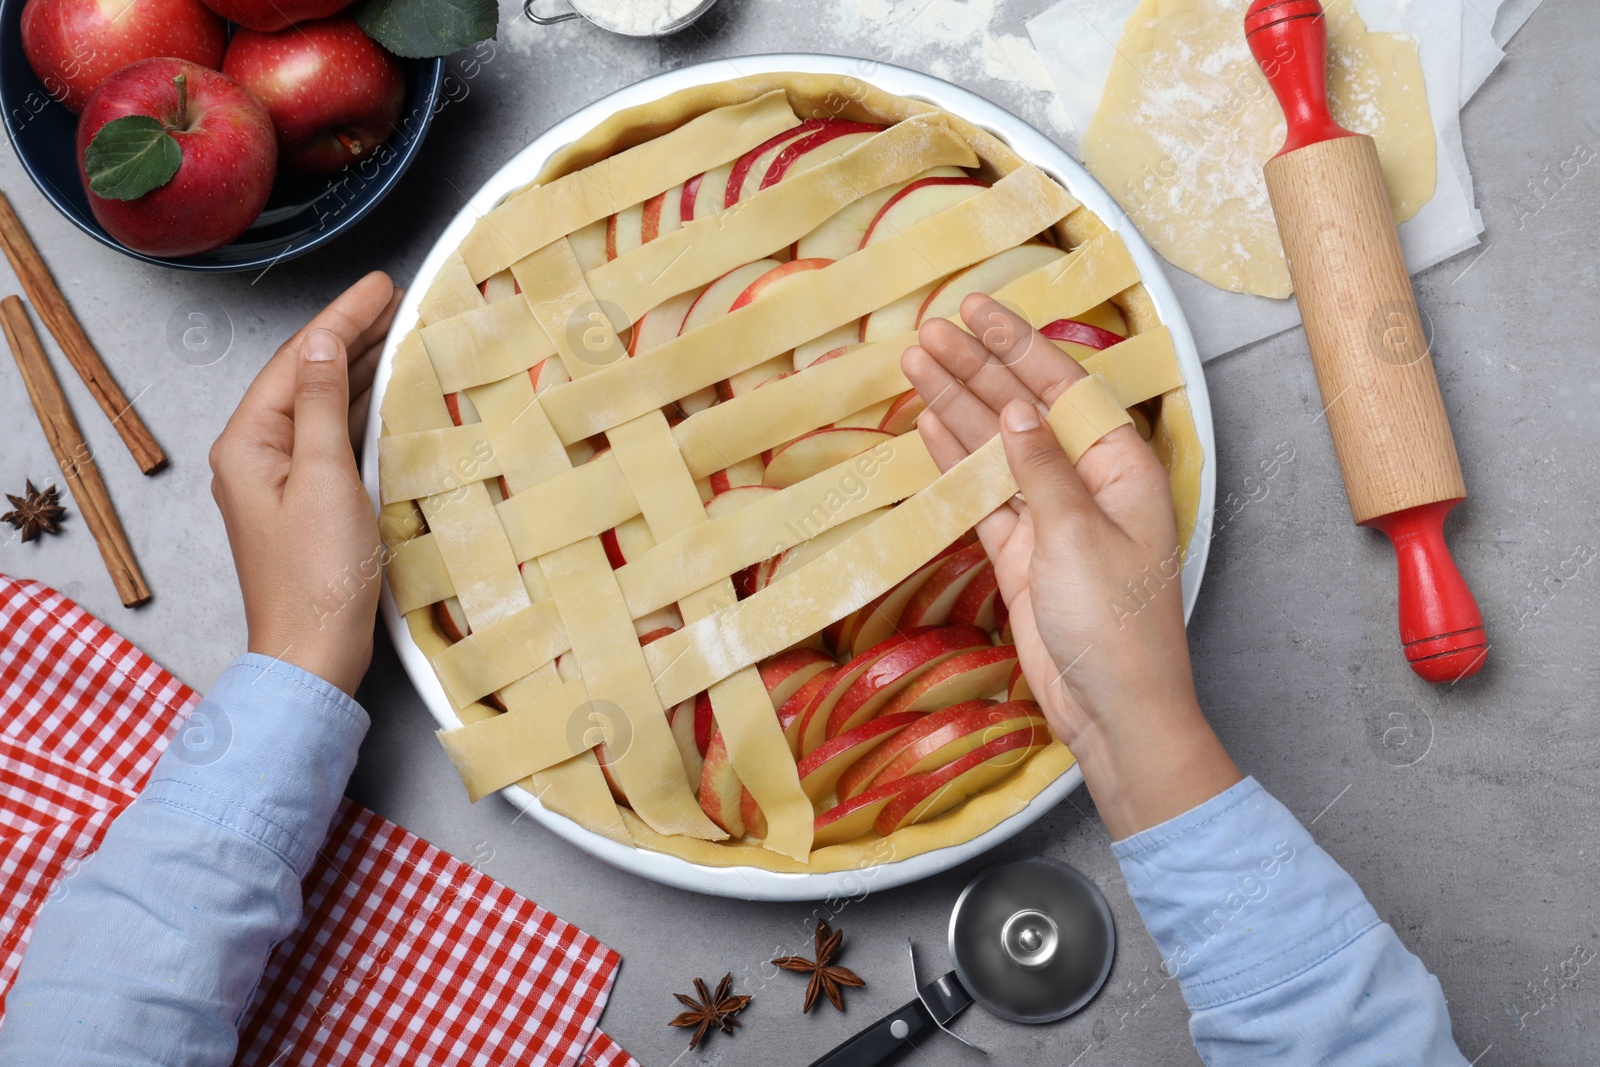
point(305, 541)
point(1088, 567)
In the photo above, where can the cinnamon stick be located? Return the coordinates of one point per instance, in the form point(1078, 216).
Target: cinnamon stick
point(40, 285)
point(72, 452)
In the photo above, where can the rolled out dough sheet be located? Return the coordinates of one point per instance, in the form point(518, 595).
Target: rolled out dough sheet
point(1459, 45)
point(1187, 122)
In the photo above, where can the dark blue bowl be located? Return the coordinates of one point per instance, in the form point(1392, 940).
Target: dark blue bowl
point(301, 214)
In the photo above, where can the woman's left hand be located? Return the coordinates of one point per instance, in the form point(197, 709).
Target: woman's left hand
point(305, 540)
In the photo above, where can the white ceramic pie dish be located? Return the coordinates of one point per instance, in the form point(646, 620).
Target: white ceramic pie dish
point(749, 882)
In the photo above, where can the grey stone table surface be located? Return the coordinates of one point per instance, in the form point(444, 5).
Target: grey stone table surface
point(1468, 813)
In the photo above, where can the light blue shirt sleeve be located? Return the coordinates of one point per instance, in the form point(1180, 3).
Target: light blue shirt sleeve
point(1279, 955)
point(149, 952)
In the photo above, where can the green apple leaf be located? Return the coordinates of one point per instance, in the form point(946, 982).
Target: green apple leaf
point(422, 29)
point(131, 156)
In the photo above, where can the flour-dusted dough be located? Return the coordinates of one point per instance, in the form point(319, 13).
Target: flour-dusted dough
point(1188, 120)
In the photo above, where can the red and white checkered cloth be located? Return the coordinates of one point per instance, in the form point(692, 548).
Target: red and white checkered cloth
point(404, 955)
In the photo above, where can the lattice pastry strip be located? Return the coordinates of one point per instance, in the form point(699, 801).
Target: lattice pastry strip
point(1015, 208)
point(1142, 367)
point(722, 433)
point(646, 454)
point(488, 342)
point(546, 589)
point(565, 774)
point(871, 561)
point(774, 217)
point(533, 218)
point(483, 343)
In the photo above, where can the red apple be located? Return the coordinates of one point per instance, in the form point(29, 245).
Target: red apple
point(228, 156)
point(265, 16)
point(74, 45)
point(333, 93)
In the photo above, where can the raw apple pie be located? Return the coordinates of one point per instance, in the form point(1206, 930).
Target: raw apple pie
point(655, 505)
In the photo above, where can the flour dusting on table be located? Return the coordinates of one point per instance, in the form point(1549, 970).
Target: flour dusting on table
point(957, 40)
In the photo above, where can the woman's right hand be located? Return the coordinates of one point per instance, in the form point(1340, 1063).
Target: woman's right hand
point(1089, 567)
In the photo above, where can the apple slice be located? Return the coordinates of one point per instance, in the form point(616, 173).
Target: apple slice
point(462, 412)
point(589, 244)
point(897, 316)
point(813, 727)
point(775, 275)
point(919, 202)
point(981, 672)
point(752, 378)
point(1077, 332)
point(862, 629)
point(987, 276)
point(662, 323)
point(450, 619)
point(1018, 688)
point(884, 679)
point(792, 715)
point(979, 603)
point(841, 233)
point(928, 795)
point(627, 541)
point(705, 722)
point(853, 818)
point(624, 231)
point(931, 604)
point(950, 740)
point(792, 559)
point(703, 195)
point(867, 772)
point(547, 374)
point(749, 169)
point(716, 300)
point(814, 452)
point(745, 472)
point(498, 286)
point(820, 769)
point(901, 416)
point(835, 342)
point(1108, 317)
point(737, 498)
point(785, 673)
point(720, 787)
point(755, 823)
point(657, 624)
point(868, 418)
point(730, 500)
point(681, 722)
point(834, 138)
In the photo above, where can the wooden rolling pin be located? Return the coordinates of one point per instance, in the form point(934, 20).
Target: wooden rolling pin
point(1384, 410)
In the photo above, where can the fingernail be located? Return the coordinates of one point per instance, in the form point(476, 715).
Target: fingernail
point(1021, 417)
point(321, 346)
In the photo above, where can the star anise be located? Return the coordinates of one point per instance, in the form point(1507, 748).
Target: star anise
point(712, 1010)
point(36, 513)
point(826, 978)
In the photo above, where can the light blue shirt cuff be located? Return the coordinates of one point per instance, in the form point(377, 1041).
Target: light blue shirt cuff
point(267, 755)
point(1238, 896)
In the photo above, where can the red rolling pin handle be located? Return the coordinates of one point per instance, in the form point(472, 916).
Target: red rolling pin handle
point(1289, 39)
point(1441, 629)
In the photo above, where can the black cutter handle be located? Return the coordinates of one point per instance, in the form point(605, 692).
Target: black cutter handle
point(880, 1040)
